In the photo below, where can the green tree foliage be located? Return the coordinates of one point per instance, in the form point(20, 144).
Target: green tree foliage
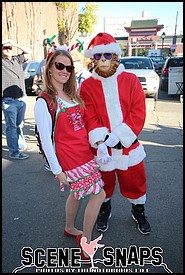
point(87, 19)
point(67, 21)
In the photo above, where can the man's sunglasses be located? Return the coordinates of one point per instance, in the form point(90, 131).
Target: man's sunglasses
point(7, 47)
point(60, 66)
point(107, 56)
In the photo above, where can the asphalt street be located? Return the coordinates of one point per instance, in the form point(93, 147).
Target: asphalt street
point(33, 208)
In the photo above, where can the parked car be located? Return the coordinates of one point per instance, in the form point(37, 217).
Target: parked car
point(30, 69)
point(173, 61)
point(143, 68)
point(158, 61)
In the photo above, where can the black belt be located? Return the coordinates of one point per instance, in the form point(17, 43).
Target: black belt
point(119, 145)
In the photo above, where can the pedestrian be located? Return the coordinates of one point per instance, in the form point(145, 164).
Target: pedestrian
point(69, 155)
point(114, 117)
point(79, 63)
point(14, 97)
point(39, 76)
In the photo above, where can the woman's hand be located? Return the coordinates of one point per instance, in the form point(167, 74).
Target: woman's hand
point(62, 178)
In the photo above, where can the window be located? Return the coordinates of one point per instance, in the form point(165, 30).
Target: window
point(134, 63)
point(176, 62)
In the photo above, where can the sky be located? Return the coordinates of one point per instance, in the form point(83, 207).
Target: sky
point(167, 13)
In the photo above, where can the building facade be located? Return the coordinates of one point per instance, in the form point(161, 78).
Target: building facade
point(144, 34)
point(137, 35)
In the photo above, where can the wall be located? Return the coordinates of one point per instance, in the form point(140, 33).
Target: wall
point(28, 23)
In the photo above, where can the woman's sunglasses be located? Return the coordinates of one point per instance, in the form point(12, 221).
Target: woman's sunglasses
point(107, 56)
point(7, 47)
point(60, 66)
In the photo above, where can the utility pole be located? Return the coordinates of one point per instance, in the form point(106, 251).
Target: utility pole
point(173, 47)
point(176, 24)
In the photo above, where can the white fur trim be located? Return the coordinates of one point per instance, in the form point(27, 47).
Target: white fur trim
point(123, 162)
point(59, 48)
point(140, 200)
point(87, 53)
point(125, 134)
point(96, 135)
point(109, 48)
point(111, 95)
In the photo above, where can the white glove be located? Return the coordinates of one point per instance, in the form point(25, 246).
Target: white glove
point(102, 154)
point(112, 140)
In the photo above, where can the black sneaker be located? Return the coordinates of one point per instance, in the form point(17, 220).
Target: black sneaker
point(103, 217)
point(102, 222)
point(139, 216)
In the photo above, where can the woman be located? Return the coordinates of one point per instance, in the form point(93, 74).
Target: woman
point(69, 156)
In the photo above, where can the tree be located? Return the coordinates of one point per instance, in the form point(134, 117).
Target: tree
point(88, 19)
point(67, 21)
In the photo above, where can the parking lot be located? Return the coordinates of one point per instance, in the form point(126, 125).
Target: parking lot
point(33, 208)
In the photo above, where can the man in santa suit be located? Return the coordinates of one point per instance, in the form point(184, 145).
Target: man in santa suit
point(114, 117)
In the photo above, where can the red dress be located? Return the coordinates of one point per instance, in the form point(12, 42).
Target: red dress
point(74, 153)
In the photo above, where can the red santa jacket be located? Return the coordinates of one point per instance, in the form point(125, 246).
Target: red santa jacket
point(115, 104)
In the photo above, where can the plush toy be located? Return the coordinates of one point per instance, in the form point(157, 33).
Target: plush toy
point(78, 45)
point(48, 41)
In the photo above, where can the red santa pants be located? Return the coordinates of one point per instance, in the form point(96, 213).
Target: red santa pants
point(132, 182)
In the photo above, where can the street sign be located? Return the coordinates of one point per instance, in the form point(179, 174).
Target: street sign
point(174, 45)
point(173, 48)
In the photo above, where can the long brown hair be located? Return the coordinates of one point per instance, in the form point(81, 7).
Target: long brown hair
point(70, 87)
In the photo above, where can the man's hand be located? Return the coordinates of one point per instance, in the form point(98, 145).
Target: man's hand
point(102, 154)
point(8, 42)
point(112, 140)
